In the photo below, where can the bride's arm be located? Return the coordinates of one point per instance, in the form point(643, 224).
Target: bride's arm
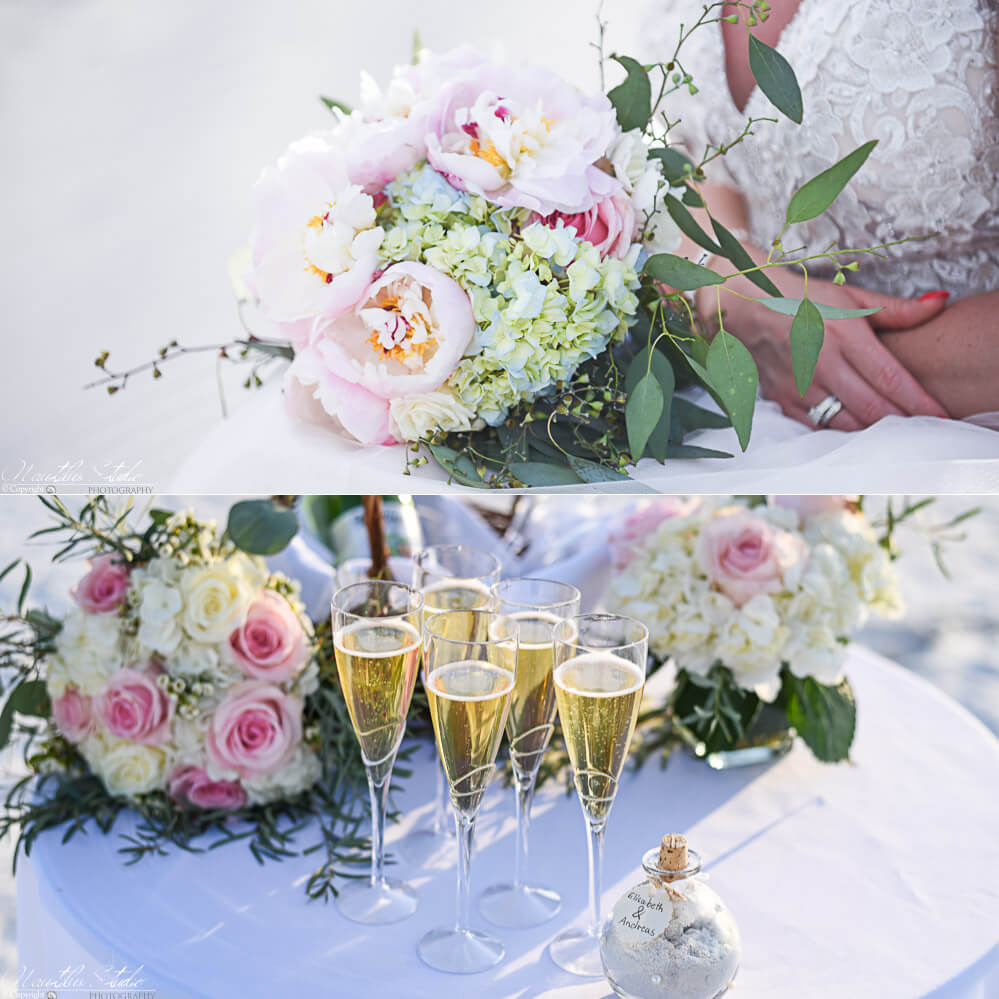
point(956, 355)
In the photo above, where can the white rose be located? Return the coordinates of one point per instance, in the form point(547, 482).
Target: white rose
point(90, 648)
point(299, 774)
point(414, 416)
point(216, 599)
point(639, 176)
point(662, 234)
point(127, 768)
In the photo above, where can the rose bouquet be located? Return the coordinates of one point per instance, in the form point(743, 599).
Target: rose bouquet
point(481, 261)
point(755, 606)
point(185, 684)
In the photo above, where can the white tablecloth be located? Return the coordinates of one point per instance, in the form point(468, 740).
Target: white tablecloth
point(875, 879)
point(261, 445)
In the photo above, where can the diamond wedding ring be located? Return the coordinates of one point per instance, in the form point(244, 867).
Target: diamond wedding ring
point(822, 412)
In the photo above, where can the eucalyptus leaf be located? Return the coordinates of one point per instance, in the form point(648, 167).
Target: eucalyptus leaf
point(632, 99)
point(824, 716)
point(691, 197)
point(674, 163)
point(733, 250)
point(590, 471)
point(641, 413)
point(663, 372)
point(789, 307)
point(695, 417)
point(261, 526)
point(537, 473)
point(807, 334)
point(688, 225)
point(775, 78)
point(30, 697)
point(458, 466)
point(814, 197)
point(693, 451)
point(733, 375)
point(680, 273)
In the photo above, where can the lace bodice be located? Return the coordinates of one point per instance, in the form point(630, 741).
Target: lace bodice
point(921, 78)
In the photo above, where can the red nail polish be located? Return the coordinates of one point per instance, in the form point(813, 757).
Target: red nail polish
point(933, 296)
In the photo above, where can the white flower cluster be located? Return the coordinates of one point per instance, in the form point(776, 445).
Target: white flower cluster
point(754, 589)
point(188, 675)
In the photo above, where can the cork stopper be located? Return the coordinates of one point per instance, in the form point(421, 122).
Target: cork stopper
point(673, 852)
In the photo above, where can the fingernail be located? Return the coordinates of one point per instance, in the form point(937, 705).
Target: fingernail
point(933, 296)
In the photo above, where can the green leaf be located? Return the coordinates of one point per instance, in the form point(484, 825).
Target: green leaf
point(697, 418)
point(691, 197)
point(10, 568)
point(459, 466)
point(733, 250)
point(715, 708)
point(688, 225)
point(538, 473)
point(590, 471)
point(641, 413)
point(335, 105)
point(30, 697)
point(733, 375)
point(261, 527)
point(6, 722)
point(775, 78)
point(663, 371)
point(825, 717)
point(814, 197)
point(632, 99)
point(674, 163)
point(693, 451)
point(679, 273)
point(23, 595)
point(789, 307)
point(807, 334)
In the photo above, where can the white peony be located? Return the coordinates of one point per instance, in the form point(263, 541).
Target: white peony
point(126, 768)
point(90, 648)
point(414, 416)
point(639, 175)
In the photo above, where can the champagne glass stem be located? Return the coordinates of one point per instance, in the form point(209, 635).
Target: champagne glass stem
point(378, 789)
point(595, 851)
point(465, 827)
point(525, 795)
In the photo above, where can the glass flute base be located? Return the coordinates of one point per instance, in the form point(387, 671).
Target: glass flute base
point(386, 901)
point(460, 952)
point(578, 952)
point(519, 905)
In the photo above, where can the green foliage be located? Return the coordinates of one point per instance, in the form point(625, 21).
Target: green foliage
point(642, 412)
point(789, 307)
point(775, 78)
point(632, 99)
point(814, 197)
point(824, 716)
point(680, 273)
point(714, 708)
point(734, 251)
point(653, 362)
point(807, 334)
point(262, 527)
point(331, 104)
point(731, 372)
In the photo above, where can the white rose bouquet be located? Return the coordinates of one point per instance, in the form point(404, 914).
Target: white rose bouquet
point(754, 605)
point(482, 262)
point(185, 684)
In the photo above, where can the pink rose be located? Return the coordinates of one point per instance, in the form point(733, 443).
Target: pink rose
point(270, 644)
point(404, 337)
point(813, 506)
point(255, 730)
point(192, 785)
point(103, 589)
point(745, 556)
point(609, 224)
point(73, 715)
point(133, 707)
point(627, 540)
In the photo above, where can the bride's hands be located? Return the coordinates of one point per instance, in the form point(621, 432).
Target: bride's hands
point(853, 365)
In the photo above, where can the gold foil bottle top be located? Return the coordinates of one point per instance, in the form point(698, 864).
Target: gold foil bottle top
point(673, 852)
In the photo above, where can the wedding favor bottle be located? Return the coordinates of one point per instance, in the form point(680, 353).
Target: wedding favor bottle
point(670, 935)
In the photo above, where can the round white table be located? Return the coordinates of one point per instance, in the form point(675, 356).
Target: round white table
point(879, 878)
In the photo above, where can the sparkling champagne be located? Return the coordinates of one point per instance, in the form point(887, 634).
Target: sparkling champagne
point(460, 595)
point(598, 696)
point(377, 661)
point(469, 702)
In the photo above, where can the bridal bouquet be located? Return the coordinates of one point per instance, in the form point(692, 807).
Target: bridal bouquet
point(478, 261)
point(186, 685)
point(755, 605)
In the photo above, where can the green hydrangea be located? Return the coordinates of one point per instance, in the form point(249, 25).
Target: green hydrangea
point(544, 300)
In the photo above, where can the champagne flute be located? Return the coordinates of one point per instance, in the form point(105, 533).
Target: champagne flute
point(537, 606)
point(376, 641)
point(451, 577)
point(469, 684)
point(600, 662)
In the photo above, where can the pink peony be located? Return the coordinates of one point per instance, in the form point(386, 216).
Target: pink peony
point(627, 540)
point(133, 707)
point(270, 644)
point(813, 506)
point(73, 715)
point(744, 556)
point(103, 589)
point(609, 224)
point(255, 730)
point(193, 786)
point(404, 337)
point(521, 137)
